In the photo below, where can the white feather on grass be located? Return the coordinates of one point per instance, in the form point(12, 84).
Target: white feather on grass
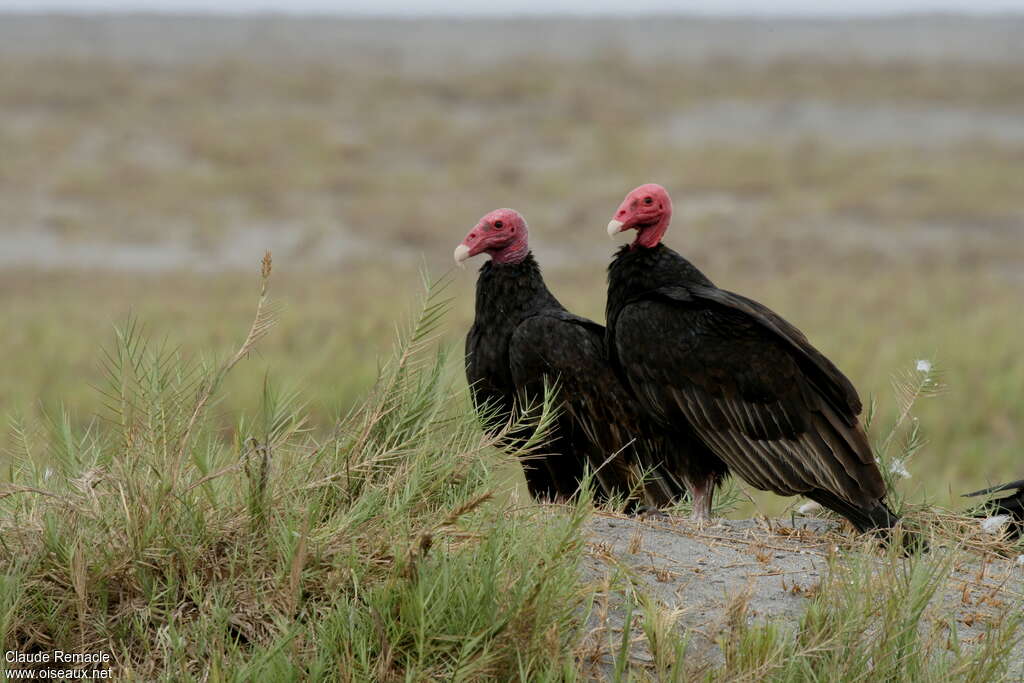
point(808, 507)
point(994, 525)
point(899, 468)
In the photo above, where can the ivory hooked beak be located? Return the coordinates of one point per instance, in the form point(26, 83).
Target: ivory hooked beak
point(461, 254)
point(614, 227)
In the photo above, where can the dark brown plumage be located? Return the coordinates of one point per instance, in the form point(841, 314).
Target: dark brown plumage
point(521, 338)
point(748, 383)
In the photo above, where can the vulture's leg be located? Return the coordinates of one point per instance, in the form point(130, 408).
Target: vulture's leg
point(702, 491)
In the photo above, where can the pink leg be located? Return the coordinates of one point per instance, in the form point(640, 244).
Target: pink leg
point(702, 493)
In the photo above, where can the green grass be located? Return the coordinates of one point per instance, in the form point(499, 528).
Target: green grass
point(328, 341)
point(869, 620)
point(882, 253)
point(382, 551)
point(388, 549)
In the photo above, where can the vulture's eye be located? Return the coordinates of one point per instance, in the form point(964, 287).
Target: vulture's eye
point(648, 200)
point(499, 224)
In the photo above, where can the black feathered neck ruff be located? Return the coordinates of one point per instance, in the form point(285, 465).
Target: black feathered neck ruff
point(635, 270)
point(507, 292)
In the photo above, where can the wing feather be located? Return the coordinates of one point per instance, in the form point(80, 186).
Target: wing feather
point(770, 405)
point(606, 426)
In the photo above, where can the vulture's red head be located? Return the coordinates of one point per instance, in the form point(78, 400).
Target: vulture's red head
point(502, 233)
point(648, 210)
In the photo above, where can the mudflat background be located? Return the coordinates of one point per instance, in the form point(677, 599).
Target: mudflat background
point(863, 178)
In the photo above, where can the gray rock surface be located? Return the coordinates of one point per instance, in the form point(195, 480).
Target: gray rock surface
point(759, 570)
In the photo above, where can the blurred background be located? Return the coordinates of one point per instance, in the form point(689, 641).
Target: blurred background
point(862, 174)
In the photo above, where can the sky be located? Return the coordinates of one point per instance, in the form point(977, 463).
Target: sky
point(583, 7)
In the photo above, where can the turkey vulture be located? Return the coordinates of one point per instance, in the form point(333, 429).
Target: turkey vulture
point(522, 338)
point(1012, 505)
point(766, 402)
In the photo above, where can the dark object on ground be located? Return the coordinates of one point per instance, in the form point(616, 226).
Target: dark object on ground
point(765, 402)
point(1012, 505)
point(522, 338)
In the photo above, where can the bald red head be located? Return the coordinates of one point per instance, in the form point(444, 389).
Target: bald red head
point(648, 210)
point(502, 233)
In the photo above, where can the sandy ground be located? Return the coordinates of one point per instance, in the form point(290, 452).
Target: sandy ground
point(774, 565)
